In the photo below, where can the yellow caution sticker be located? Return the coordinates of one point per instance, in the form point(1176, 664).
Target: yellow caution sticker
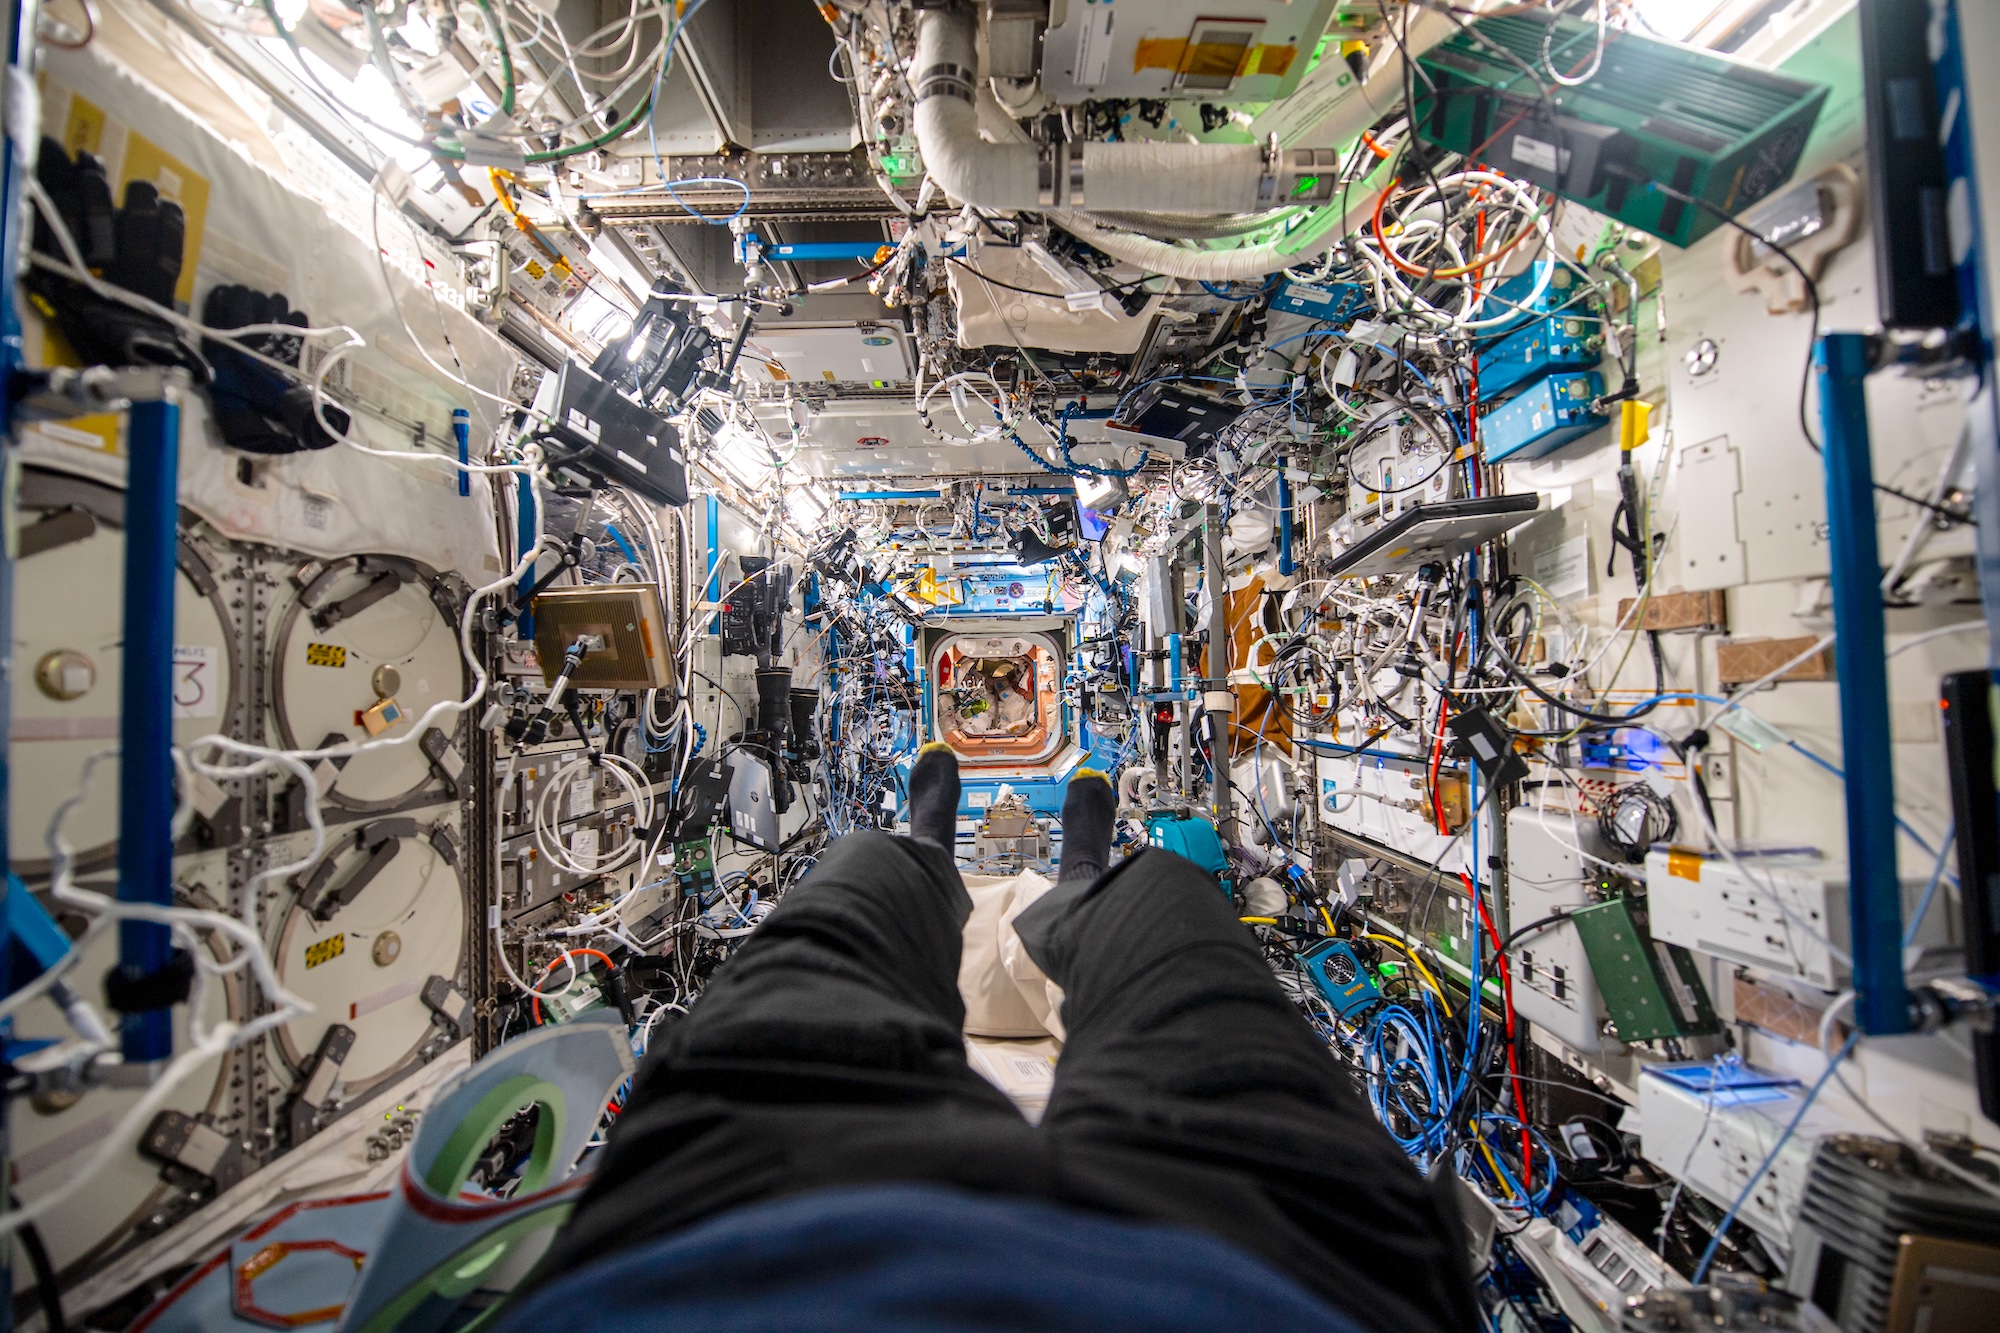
point(326, 655)
point(333, 946)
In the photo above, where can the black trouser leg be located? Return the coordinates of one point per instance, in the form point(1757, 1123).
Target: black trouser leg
point(834, 1030)
point(853, 975)
point(1184, 1052)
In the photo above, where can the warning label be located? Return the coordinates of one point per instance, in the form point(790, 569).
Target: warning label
point(333, 946)
point(326, 655)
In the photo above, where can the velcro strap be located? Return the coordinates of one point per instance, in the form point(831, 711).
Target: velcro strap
point(161, 989)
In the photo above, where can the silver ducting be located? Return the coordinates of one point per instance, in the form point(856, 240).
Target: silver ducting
point(1148, 177)
point(1155, 178)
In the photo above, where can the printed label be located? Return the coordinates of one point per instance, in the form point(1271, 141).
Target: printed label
point(1565, 570)
point(1093, 47)
point(197, 681)
point(326, 655)
point(1535, 153)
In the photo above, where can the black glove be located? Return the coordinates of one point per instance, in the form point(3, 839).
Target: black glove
point(259, 409)
point(137, 247)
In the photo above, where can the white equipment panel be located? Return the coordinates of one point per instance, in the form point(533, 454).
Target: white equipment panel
point(1715, 1141)
point(54, 1139)
point(1239, 51)
point(68, 637)
point(1785, 914)
point(1554, 987)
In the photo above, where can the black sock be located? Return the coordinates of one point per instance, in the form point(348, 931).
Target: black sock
point(1089, 816)
point(934, 795)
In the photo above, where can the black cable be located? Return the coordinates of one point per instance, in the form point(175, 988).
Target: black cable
point(1655, 817)
point(1696, 741)
point(1495, 643)
point(1046, 296)
point(47, 1294)
point(1552, 919)
point(1410, 68)
point(1445, 447)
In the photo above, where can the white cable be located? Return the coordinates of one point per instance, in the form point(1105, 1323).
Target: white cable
point(77, 271)
point(1964, 627)
point(1826, 1021)
point(205, 1042)
point(637, 788)
point(1596, 60)
point(1742, 695)
point(382, 266)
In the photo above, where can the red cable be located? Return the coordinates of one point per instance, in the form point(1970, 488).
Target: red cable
point(536, 1001)
point(1437, 757)
point(1513, 1043)
point(1458, 271)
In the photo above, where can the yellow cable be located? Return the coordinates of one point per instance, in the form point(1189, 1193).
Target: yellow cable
point(1324, 917)
point(557, 260)
point(1423, 971)
point(1258, 920)
point(1498, 1174)
point(500, 193)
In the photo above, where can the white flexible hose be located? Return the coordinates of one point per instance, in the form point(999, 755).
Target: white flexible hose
point(1165, 177)
point(1148, 177)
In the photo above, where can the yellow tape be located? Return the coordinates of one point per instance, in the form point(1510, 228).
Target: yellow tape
point(1212, 59)
point(1634, 423)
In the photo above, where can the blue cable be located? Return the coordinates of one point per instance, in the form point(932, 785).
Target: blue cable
point(1757, 1176)
point(741, 208)
point(623, 545)
point(1309, 333)
point(1014, 438)
point(1930, 889)
point(1076, 469)
point(652, 137)
point(1537, 1200)
point(1214, 290)
point(1395, 1019)
point(1902, 825)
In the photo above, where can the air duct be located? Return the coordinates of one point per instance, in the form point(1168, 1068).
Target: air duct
point(1200, 178)
point(1182, 178)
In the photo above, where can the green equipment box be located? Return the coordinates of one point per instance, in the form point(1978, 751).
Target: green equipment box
point(1651, 989)
point(1715, 129)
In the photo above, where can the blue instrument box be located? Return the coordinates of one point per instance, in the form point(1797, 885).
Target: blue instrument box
point(1564, 295)
point(1196, 839)
point(1336, 302)
point(1544, 417)
point(1340, 977)
point(1553, 342)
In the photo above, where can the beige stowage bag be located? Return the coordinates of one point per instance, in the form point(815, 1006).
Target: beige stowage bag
point(1013, 1013)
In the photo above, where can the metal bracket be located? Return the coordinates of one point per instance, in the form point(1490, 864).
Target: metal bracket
point(65, 392)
